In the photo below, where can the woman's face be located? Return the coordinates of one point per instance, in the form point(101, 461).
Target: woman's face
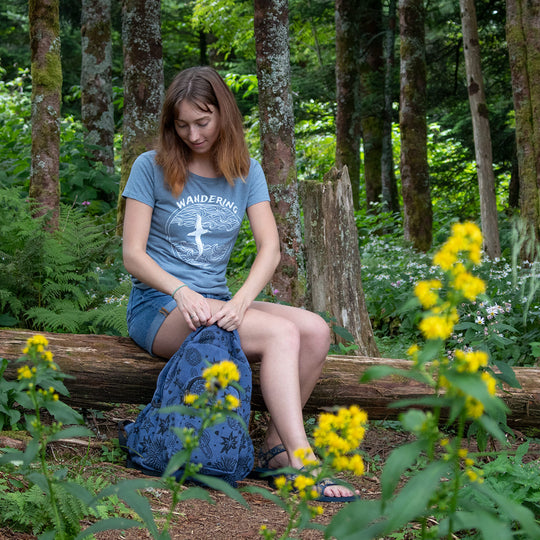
point(199, 129)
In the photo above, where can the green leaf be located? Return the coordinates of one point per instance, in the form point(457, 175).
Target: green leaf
point(220, 485)
point(513, 510)
point(492, 427)
point(412, 501)
point(127, 490)
point(63, 412)
point(358, 520)
point(488, 524)
point(397, 463)
point(108, 525)
point(379, 372)
point(72, 432)
point(195, 492)
point(507, 374)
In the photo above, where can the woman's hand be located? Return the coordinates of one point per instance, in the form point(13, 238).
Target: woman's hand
point(229, 316)
point(194, 307)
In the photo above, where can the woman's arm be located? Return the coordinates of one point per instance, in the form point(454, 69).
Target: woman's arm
point(266, 238)
point(138, 263)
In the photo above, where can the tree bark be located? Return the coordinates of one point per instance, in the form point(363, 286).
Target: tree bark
point(271, 26)
point(46, 70)
point(372, 96)
point(333, 259)
point(96, 80)
point(390, 196)
point(110, 370)
point(481, 132)
point(417, 211)
point(523, 37)
point(143, 84)
point(348, 127)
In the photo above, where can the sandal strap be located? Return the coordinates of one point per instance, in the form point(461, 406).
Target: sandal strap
point(265, 456)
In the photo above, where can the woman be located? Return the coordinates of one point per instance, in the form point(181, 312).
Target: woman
point(185, 202)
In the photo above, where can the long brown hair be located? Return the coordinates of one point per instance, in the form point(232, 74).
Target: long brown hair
point(203, 86)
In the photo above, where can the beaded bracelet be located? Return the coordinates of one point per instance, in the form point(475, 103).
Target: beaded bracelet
point(177, 289)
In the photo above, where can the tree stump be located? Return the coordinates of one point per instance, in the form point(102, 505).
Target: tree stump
point(333, 258)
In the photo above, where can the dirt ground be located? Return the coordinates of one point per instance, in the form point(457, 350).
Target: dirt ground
point(227, 519)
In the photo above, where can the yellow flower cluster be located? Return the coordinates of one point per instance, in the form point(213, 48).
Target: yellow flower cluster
point(221, 375)
point(470, 362)
point(473, 408)
point(438, 326)
point(425, 292)
point(232, 402)
point(466, 238)
point(340, 435)
point(491, 383)
point(50, 393)
point(25, 372)
point(475, 475)
point(470, 286)
point(38, 342)
point(190, 399)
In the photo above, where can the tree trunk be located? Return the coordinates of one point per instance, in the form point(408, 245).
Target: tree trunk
point(110, 370)
point(271, 25)
point(372, 95)
point(96, 80)
point(481, 132)
point(523, 37)
point(143, 84)
point(390, 196)
point(333, 259)
point(418, 216)
point(46, 70)
point(348, 127)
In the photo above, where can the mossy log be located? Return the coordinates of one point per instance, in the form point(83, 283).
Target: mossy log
point(109, 370)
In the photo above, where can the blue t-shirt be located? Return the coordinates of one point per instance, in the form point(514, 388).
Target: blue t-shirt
point(192, 236)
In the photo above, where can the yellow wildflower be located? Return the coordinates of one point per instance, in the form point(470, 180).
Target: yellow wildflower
point(306, 455)
point(24, 373)
point(470, 362)
point(223, 374)
point(342, 432)
point(280, 482)
point(37, 340)
point(490, 381)
point(319, 510)
point(232, 402)
point(356, 465)
point(462, 453)
point(473, 407)
point(47, 356)
point(445, 259)
point(470, 286)
point(302, 482)
point(424, 291)
point(473, 475)
point(189, 399)
point(436, 327)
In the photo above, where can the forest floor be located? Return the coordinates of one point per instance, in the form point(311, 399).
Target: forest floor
point(226, 519)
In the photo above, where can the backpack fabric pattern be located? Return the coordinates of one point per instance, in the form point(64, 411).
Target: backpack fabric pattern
point(226, 449)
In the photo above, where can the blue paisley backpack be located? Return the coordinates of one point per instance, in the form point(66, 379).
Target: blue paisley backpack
point(225, 450)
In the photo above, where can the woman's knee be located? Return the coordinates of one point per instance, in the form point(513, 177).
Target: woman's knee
point(316, 333)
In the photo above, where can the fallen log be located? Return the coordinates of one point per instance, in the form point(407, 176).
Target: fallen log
point(108, 370)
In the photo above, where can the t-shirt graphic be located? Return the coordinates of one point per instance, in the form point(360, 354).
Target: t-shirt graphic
point(200, 233)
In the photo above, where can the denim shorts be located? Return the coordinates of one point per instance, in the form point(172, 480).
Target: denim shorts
point(146, 311)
